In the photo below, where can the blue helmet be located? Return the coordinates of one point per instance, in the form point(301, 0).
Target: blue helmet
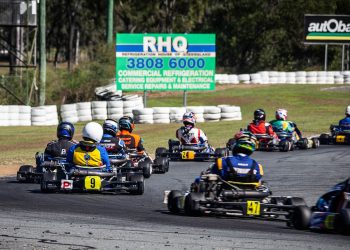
point(126, 123)
point(65, 130)
point(110, 127)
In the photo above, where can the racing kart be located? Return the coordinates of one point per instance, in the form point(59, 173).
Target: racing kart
point(190, 152)
point(337, 135)
point(63, 177)
point(30, 174)
point(145, 164)
point(214, 196)
point(286, 142)
point(332, 210)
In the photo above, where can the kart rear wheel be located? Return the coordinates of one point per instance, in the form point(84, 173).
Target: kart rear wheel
point(342, 223)
point(163, 163)
point(146, 168)
point(192, 204)
point(173, 201)
point(324, 139)
point(140, 184)
point(315, 143)
point(295, 201)
point(285, 146)
point(160, 152)
point(301, 217)
point(303, 143)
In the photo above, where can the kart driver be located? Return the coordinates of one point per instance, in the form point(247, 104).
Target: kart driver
point(110, 141)
point(344, 124)
point(60, 147)
point(259, 126)
point(282, 125)
point(88, 152)
point(240, 167)
point(132, 141)
point(188, 134)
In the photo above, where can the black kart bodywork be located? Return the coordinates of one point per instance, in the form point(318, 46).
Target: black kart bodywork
point(337, 135)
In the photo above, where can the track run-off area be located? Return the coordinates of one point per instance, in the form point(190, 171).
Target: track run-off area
point(30, 219)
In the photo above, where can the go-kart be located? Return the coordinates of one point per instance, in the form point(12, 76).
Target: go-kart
point(286, 142)
point(30, 174)
point(332, 210)
point(337, 135)
point(213, 195)
point(190, 152)
point(144, 163)
point(63, 177)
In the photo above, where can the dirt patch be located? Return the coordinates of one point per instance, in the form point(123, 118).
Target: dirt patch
point(343, 88)
point(8, 170)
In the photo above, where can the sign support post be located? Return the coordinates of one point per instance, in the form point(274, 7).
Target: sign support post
point(342, 57)
point(325, 57)
point(185, 99)
point(145, 98)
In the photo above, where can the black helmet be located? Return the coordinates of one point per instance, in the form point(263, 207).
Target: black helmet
point(65, 130)
point(259, 115)
point(110, 127)
point(126, 123)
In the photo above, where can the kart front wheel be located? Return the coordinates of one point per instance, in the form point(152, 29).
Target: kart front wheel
point(301, 217)
point(315, 143)
point(173, 201)
point(192, 206)
point(146, 167)
point(342, 223)
point(221, 152)
point(285, 146)
point(324, 139)
point(160, 152)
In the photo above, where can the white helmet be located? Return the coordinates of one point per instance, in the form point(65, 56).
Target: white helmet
point(93, 131)
point(281, 114)
point(347, 110)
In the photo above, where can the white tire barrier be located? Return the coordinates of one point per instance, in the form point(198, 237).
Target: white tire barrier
point(115, 104)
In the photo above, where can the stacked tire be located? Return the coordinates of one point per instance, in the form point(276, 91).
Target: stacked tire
point(84, 111)
point(346, 76)
point(176, 114)
point(130, 103)
point(161, 115)
point(230, 113)
point(198, 111)
point(38, 116)
point(115, 109)
point(99, 110)
point(143, 116)
point(212, 114)
point(15, 115)
point(51, 115)
point(69, 113)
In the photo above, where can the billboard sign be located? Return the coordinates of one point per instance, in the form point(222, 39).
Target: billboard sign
point(327, 29)
point(165, 62)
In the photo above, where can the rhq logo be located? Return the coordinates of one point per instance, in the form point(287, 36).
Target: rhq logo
point(153, 44)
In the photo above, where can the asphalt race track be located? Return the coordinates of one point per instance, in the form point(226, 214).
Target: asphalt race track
point(33, 220)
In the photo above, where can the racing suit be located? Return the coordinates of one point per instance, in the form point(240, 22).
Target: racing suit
point(344, 124)
point(239, 167)
point(132, 141)
point(261, 127)
point(88, 154)
point(191, 136)
point(113, 145)
point(286, 126)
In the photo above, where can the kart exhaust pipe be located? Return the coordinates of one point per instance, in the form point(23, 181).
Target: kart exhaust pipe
point(235, 194)
point(84, 172)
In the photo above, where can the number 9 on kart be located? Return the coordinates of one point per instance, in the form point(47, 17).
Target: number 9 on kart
point(93, 183)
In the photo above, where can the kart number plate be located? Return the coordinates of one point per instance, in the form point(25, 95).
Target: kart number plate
point(340, 138)
point(92, 182)
point(253, 208)
point(187, 155)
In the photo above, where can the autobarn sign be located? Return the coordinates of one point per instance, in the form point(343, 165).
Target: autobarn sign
point(327, 29)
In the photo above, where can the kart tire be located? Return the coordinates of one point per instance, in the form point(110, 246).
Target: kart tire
point(23, 171)
point(324, 139)
point(315, 143)
point(285, 146)
point(160, 152)
point(342, 222)
point(146, 168)
point(192, 204)
point(173, 204)
point(303, 143)
point(221, 152)
point(295, 201)
point(163, 163)
point(301, 217)
point(140, 185)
